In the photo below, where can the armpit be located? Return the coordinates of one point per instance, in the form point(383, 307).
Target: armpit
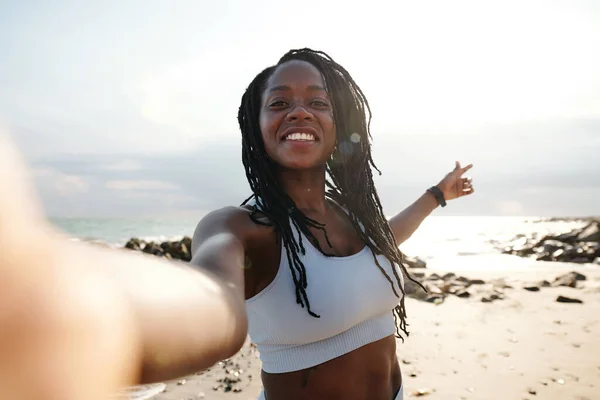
point(259, 217)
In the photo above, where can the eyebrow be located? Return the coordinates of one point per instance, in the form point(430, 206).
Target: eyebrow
point(283, 88)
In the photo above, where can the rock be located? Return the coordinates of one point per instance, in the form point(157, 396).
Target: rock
point(591, 233)
point(417, 275)
point(415, 262)
point(500, 284)
point(173, 250)
point(463, 293)
point(153, 248)
point(558, 253)
point(476, 282)
point(552, 246)
point(433, 288)
point(434, 277)
point(532, 288)
point(449, 276)
point(569, 279)
point(563, 299)
point(577, 246)
point(543, 283)
point(451, 287)
point(135, 244)
point(580, 260)
point(486, 299)
point(435, 299)
point(544, 257)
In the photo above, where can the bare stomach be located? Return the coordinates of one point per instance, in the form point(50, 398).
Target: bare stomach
point(369, 372)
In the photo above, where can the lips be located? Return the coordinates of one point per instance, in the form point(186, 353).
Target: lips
point(297, 133)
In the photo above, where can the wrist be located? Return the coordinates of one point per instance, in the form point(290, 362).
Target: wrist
point(430, 201)
point(438, 195)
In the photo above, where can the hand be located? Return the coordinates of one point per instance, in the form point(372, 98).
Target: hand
point(66, 332)
point(454, 185)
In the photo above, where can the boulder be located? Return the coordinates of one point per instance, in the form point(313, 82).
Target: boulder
point(135, 244)
point(569, 279)
point(577, 246)
point(415, 262)
point(564, 299)
point(590, 233)
point(153, 248)
point(532, 288)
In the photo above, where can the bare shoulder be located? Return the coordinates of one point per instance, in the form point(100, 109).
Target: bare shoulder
point(245, 223)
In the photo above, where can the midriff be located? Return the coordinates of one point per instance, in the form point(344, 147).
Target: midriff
point(370, 372)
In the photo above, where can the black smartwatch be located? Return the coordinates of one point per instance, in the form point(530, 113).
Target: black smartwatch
point(439, 196)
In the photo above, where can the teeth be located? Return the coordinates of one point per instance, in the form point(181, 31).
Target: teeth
point(300, 136)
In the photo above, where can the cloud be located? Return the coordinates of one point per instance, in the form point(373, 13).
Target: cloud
point(550, 172)
point(140, 185)
point(62, 184)
point(123, 165)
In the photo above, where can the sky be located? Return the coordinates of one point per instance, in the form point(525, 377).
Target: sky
point(128, 108)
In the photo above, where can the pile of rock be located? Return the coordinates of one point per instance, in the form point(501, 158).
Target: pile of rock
point(570, 279)
point(173, 250)
point(439, 287)
point(578, 246)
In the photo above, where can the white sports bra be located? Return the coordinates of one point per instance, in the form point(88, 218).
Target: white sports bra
point(352, 296)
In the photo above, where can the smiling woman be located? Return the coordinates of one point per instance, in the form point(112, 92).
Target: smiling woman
point(296, 119)
point(323, 277)
point(308, 266)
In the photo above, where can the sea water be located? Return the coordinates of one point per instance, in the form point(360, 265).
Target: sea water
point(438, 237)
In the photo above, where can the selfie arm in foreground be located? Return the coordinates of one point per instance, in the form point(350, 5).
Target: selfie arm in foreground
point(79, 321)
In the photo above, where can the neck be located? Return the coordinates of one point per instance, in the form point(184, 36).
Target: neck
point(306, 188)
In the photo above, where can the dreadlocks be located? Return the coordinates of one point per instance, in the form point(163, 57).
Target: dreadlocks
point(349, 177)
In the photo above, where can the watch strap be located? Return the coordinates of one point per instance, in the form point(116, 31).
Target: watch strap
point(439, 196)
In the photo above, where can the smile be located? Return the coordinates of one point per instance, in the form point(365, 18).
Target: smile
point(306, 137)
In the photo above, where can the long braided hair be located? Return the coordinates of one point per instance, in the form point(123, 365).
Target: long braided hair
point(349, 179)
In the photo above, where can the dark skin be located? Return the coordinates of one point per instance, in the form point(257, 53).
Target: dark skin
point(295, 101)
point(113, 323)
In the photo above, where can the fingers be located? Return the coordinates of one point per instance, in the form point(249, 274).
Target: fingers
point(461, 170)
point(466, 168)
point(467, 186)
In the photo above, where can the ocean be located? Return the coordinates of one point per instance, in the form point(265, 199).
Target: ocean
point(441, 240)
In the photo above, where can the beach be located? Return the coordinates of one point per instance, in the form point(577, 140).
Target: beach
point(524, 346)
point(490, 327)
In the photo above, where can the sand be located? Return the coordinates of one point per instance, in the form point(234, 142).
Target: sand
point(526, 346)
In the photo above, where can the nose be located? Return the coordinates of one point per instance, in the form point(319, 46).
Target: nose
point(299, 113)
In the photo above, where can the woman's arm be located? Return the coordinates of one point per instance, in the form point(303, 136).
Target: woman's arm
point(78, 321)
point(406, 222)
point(453, 185)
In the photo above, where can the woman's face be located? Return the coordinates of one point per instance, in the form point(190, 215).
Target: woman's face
point(296, 117)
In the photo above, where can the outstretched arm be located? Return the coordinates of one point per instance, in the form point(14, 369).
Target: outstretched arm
point(79, 321)
point(453, 185)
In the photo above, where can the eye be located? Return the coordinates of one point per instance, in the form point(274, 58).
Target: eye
point(319, 103)
point(278, 104)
